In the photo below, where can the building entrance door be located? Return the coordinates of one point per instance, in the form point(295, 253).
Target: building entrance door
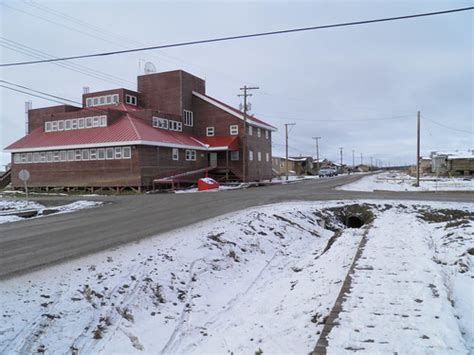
point(212, 160)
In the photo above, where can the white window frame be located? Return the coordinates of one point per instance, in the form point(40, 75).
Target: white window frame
point(250, 155)
point(188, 118)
point(80, 123)
point(190, 155)
point(88, 122)
point(29, 157)
point(160, 122)
point(118, 153)
point(78, 155)
point(101, 100)
point(259, 132)
point(70, 155)
point(67, 125)
point(101, 154)
point(85, 154)
point(250, 130)
point(54, 126)
point(74, 123)
point(108, 99)
point(112, 155)
point(36, 157)
point(42, 157)
point(234, 155)
point(175, 154)
point(56, 156)
point(93, 154)
point(115, 98)
point(131, 100)
point(61, 125)
point(96, 101)
point(95, 121)
point(47, 126)
point(103, 121)
point(259, 156)
point(89, 102)
point(210, 131)
point(267, 134)
point(49, 157)
point(17, 158)
point(63, 155)
point(234, 130)
point(267, 156)
point(126, 153)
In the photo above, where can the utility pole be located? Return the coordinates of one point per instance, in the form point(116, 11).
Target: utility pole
point(417, 149)
point(353, 159)
point(340, 150)
point(317, 153)
point(244, 135)
point(286, 146)
point(361, 159)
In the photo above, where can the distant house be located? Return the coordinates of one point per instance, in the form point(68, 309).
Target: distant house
point(452, 163)
point(128, 139)
point(362, 168)
point(296, 165)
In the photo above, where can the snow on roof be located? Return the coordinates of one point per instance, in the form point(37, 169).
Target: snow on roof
point(454, 157)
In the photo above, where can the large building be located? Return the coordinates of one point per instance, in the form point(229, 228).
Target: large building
point(121, 138)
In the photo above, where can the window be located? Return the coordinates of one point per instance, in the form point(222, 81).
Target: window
point(190, 154)
point(56, 155)
point(118, 153)
point(96, 101)
point(61, 125)
point(210, 131)
point(74, 124)
point(63, 155)
point(23, 157)
point(259, 132)
point(250, 130)
point(234, 155)
point(188, 118)
point(42, 157)
point(95, 121)
point(49, 157)
point(88, 122)
point(259, 156)
point(67, 125)
point(126, 153)
point(29, 157)
point(132, 100)
point(250, 155)
point(93, 154)
point(175, 154)
point(54, 126)
point(78, 154)
point(115, 98)
point(267, 156)
point(36, 157)
point(160, 122)
point(80, 123)
point(101, 154)
point(85, 154)
point(89, 102)
point(109, 153)
point(267, 135)
point(47, 126)
point(103, 121)
point(102, 100)
point(17, 158)
point(108, 99)
point(175, 126)
point(70, 155)
point(234, 130)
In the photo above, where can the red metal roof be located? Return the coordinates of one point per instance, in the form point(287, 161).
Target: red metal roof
point(125, 129)
point(231, 142)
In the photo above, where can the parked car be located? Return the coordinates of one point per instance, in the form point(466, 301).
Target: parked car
point(328, 171)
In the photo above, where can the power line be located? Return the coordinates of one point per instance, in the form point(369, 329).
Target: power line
point(39, 92)
point(27, 93)
point(448, 127)
point(338, 120)
point(231, 38)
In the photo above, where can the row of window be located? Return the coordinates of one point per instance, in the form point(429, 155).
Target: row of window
point(234, 130)
point(259, 156)
point(188, 118)
point(164, 123)
point(102, 100)
point(189, 154)
point(75, 123)
point(73, 155)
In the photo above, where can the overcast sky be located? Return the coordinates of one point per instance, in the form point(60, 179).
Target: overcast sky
point(357, 87)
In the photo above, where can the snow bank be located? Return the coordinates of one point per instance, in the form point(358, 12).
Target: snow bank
point(396, 181)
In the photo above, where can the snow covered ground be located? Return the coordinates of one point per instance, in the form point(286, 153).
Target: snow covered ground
point(9, 206)
point(397, 181)
point(261, 279)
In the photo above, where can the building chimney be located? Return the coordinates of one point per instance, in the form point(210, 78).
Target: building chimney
point(28, 106)
point(85, 89)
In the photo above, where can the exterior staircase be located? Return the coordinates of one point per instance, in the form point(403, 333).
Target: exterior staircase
point(5, 179)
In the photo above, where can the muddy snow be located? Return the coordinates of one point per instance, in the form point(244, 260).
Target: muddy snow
point(262, 279)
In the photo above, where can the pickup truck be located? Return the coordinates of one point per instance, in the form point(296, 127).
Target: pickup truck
point(327, 171)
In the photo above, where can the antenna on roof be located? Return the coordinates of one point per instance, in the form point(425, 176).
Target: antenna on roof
point(28, 106)
point(86, 89)
point(150, 68)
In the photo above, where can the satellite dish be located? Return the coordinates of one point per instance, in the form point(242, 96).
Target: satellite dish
point(150, 68)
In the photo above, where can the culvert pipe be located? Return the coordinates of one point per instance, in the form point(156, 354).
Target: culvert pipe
point(354, 221)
